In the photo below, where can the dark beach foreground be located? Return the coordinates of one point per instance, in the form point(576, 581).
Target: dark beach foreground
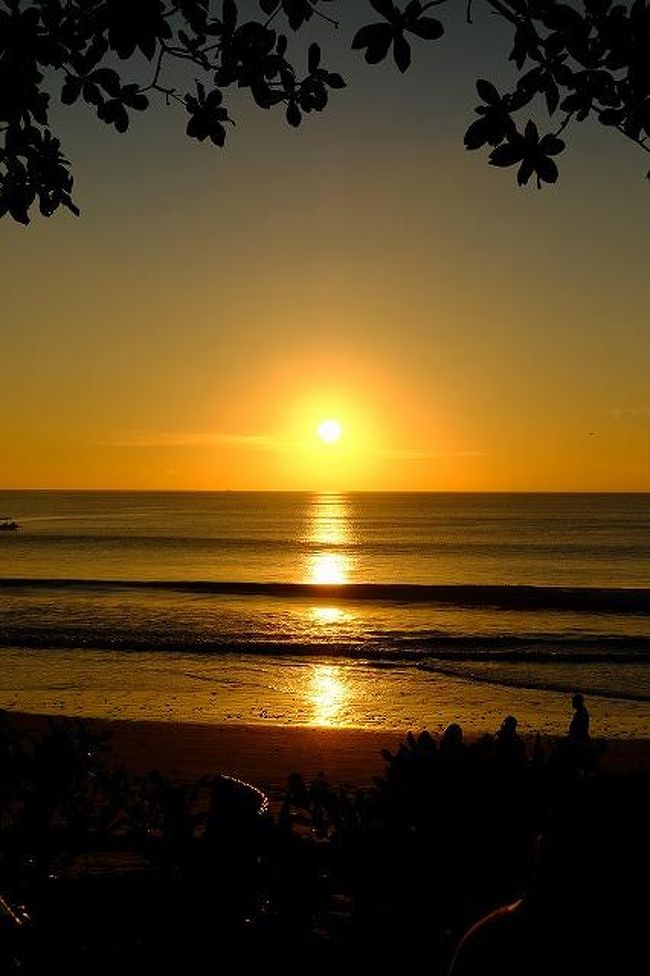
point(104, 870)
point(266, 755)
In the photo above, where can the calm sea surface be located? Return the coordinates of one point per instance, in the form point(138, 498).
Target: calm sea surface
point(242, 592)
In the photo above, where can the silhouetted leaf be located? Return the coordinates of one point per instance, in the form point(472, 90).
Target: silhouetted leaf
point(71, 90)
point(335, 80)
point(92, 94)
point(114, 113)
point(135, 100)
point(506, 155)
point(488, 92)
point(551, 145)
point(428, 28)
point(294, 117)
point(531, 135)
point(401, 52)
point(611, 116)
point(546, 169)
point(384, 7)
point(552, 95)
point(479, 133)
point(229, 15)
point(313, 60)
point(72, 207)
point(560, 17)
point(108, 79)
point(297, 11)
point(377, 38)
point(517, 99)
point(588, 60)
point(525, 172)
point(264, 96)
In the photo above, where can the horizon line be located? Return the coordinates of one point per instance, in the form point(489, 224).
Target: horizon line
point(342, 491)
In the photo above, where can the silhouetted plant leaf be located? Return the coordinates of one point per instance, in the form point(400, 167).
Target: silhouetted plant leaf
point(298, 12)
point(113, 113)
point(229, 15)
point(611, 116)
point(507, 154)
point(525, 172)
point(401, 52)
point(551, 145)
point(108, 79)
point(206, 116)
point(546, 169)
point(384, 7)
point(376, 38)
point(428, 28)
point(560, 17)
point(294, 117)
point(335, 80)
point(92, 94)
point(313, 60)
point(517, 99)
point(71, 90)
point(480, 132)
point(585, 60)
point(552, 95)
point(488, 92)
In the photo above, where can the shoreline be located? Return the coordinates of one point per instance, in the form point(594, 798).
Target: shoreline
point(266, 755)
point(296, 692)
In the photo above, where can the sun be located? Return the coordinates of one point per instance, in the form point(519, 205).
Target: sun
point(330, 431)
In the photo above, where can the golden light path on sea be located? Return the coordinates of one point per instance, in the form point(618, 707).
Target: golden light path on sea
point(329, 615)
point(329, 532)
point(330, 568)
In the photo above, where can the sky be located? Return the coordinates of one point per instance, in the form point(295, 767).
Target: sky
point(210, 308)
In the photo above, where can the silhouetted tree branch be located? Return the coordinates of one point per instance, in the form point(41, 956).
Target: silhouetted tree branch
point(578, 60)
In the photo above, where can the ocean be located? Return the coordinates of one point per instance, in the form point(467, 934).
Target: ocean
point(375, 610)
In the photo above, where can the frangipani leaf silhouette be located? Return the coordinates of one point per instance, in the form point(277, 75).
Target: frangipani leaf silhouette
point(575, 61)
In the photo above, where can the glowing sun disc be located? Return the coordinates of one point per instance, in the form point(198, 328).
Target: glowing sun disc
point(329, 431)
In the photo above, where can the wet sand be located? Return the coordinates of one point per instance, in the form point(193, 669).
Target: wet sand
point(300, 692)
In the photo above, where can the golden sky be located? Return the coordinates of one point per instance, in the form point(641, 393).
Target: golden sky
point(209, 309)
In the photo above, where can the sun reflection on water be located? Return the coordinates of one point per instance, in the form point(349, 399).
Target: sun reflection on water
point(327, 695)
point(329, 526)
point(328, 615)
point(328, 568)
point(329, 520)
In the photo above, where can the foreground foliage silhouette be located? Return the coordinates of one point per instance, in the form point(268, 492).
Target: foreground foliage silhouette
point(575, 60)
point(143, 874)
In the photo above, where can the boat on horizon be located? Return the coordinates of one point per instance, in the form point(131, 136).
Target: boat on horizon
point(7, 524)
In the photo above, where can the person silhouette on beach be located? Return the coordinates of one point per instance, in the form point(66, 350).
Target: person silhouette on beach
point(576, 751)
point(579, 725)
point(510, 748)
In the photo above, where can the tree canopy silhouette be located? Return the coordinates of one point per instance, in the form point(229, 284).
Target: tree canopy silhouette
point(574, 60)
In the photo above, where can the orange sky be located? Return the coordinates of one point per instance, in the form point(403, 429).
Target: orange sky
point(208, 310)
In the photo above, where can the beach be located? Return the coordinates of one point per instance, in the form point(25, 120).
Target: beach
point(262, 633)
point(265, 755)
